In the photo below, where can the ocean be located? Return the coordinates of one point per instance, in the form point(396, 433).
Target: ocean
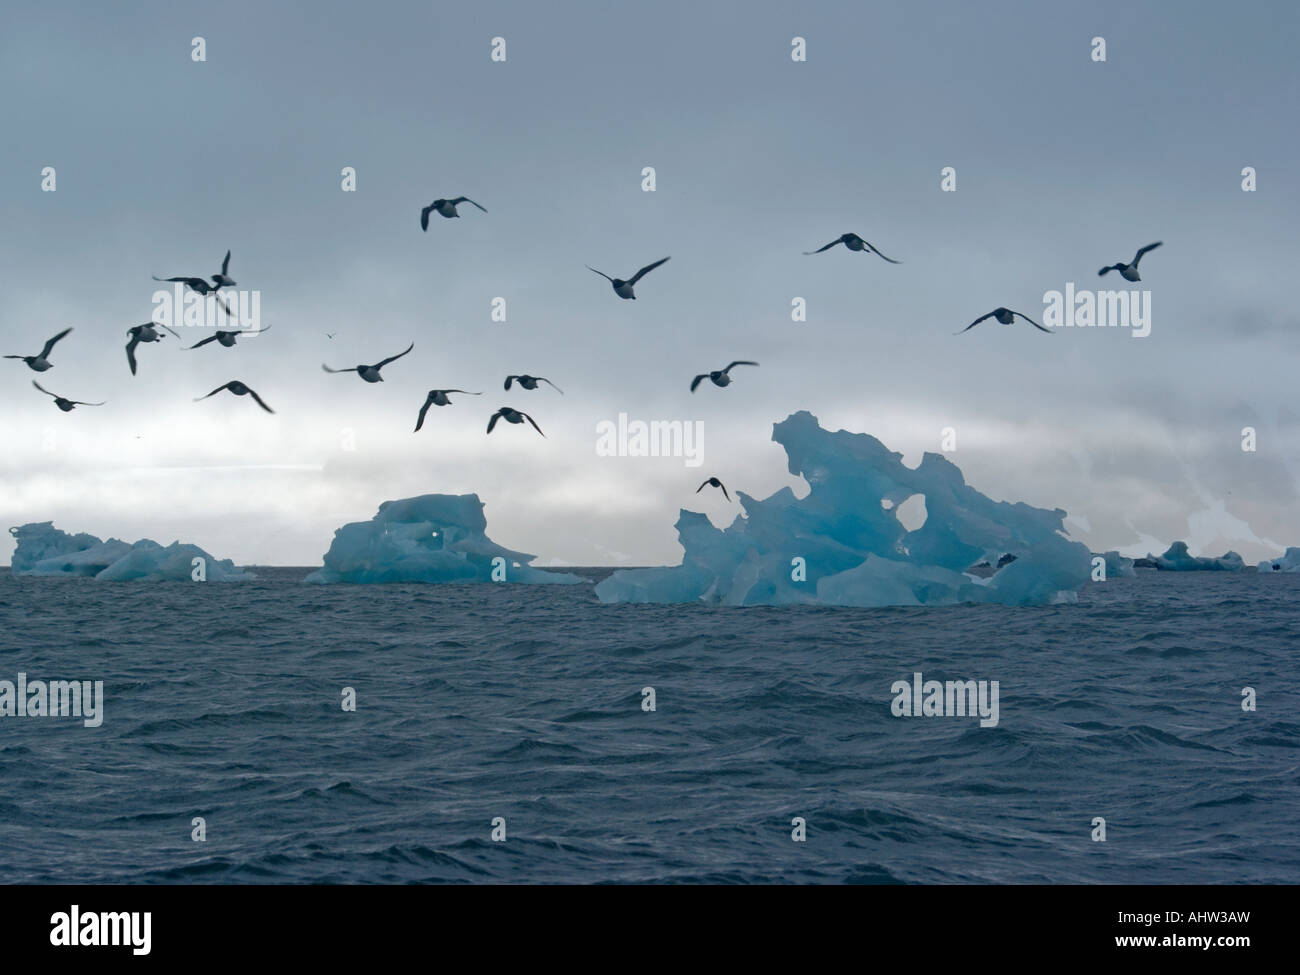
point(520, 710)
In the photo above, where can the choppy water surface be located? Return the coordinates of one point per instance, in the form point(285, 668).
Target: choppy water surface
point(525, 702)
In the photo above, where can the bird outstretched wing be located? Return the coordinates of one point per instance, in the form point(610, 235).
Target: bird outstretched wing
point(646, 270)
point(837, 240)
point(974, 323)
point(466, 199)
point(394, 358)
point(210, 338)
point(428, 401)
point(698, 379)
point(49, 344)
point(542, 379)
point(739, 362)
point(1141, 251)
point(533, 422)
point(258, 399)
point(872, 247)
point(601, 273)
point(1033, 323)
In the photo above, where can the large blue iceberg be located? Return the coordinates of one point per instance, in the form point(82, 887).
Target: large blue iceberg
point(1288, 562)
point(844, 545)
point(43, 550)
point(432, 538)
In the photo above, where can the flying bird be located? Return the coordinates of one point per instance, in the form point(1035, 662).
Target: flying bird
point(222, 279)
point(714, 482)
point(854, 243)
point(371, 373)
point(624, 288)
point(41, 361)
point(227, 339)
point(148, 332)
point(239, 389)
point(530, 382)
point(438, 397)
point(1006, 316)
point(1130, 271)
point(445, 207)
point(203, 288)
point(720, 377)
point(512, 416)
point(66, 405)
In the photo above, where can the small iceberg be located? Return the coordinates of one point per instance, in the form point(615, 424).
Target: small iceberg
point(432, 538)
point(1117, 566)
point(1177, 559)
point(1289, 562)
point(43, 550)
point(844, 544)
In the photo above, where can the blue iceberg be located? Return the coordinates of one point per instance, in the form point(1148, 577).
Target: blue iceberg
point(43, 550)
point(1178, 559)
point(432, 538)
point(844, 544)
point(1289, 562)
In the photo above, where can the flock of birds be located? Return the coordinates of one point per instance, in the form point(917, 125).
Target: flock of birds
point(151, 332)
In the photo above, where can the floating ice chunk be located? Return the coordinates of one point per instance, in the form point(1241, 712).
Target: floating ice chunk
point(1117, 566)
point(44, 550)
point(1177, 559)
point(844, 544)
point(432, 538)
point(1289, 562)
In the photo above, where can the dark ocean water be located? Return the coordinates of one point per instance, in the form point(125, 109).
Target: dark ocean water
point(223, 701)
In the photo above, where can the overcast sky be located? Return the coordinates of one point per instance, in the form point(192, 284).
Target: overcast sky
point(1063, 164)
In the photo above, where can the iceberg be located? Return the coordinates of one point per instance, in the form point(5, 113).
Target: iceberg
point(431, 538)
point(1117, 566)
point(1289, 562)
point(1177, 559)
point(43, 550)
point(844, 544)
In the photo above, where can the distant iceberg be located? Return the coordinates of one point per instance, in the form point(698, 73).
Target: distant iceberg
point(844, 544)
point(44, 550)
point(1177, 559)
point(432, 538)
point(1289, 562)
point(1117, 566)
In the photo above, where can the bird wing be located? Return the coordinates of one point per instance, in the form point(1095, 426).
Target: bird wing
point(601, 273)
point(78, 402)
point(1143, 250)
point(533, 422)
point(872, 248)
point(428, 401)
point(1108, 267)
point(1032, 322)
point(509, 380)
point(724, 491)
point(466, 199)
point(646, 270)
point(392, 358)
point(424, 217)
point(702, 486)
point(225, 265)
point(213, 393)
point(740, 362)
point(261, 330)
point(210, 338)
point(974, 323)
point(198, 284)
point(50, 343)
point(493, 422)
point(827, 247)
point(43, 389)
point(551, 384)
point(130, 350)
point(328, 369)
point(698, 379)
point(465, 391)
point(253, 394)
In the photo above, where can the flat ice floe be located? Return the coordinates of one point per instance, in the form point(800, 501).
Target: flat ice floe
point(43, 550)
point(431, 538)
point(844, 545)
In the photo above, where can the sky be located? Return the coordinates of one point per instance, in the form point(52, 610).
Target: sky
point(1063, 164)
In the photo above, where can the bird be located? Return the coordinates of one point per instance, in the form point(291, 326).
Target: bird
point(445, 207)
point(530, 382)
point(222, 279)
point(720, 377)
point(512, 416)
point(41, 361)
point(203, 288)
point(438, 397)
point(854, 243)
point(66, 405)
point(624, 288)
point(239, 389)
point(714, 482)
point(371, 373)
point(148, 332)
point(1130, 271)
point(1006, 316)
point(226, 339)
